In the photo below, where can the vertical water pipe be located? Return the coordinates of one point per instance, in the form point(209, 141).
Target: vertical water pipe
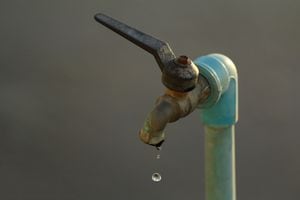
point(219, 115)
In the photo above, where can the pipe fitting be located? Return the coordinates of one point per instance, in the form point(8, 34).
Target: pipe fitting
point(221, 107)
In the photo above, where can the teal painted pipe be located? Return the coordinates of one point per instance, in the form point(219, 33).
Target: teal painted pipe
point(220, 163)
point(219, 114)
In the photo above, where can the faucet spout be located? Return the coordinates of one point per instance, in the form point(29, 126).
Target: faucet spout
point(170, 107)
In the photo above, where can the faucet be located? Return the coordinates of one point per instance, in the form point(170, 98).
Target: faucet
point(170, 107)
point(208, 83)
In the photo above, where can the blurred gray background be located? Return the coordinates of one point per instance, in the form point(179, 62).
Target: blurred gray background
point(73, 96)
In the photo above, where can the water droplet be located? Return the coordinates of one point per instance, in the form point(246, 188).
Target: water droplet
point(159, 148)
point(157, 156)
point(156, 177)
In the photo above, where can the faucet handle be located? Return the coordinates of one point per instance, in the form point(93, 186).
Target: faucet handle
point(159, 49)
point(178, 74)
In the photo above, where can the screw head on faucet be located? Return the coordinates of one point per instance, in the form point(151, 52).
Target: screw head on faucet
point(183, 60)
point(180, 74)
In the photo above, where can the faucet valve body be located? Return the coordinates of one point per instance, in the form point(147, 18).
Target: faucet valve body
point(169, 108)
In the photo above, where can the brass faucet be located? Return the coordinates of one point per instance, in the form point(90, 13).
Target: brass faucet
point(186, 89)
point(169, 108)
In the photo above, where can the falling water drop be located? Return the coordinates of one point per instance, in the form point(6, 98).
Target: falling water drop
point(156, 177)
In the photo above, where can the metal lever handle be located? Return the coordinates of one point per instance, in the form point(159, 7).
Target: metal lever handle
point(178, 74)
point(160, 50)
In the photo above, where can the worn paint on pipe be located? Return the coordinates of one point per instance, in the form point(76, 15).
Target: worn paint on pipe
point(219, 114)
point(220, 163)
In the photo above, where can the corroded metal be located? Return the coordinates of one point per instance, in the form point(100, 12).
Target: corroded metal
point(175, 75)
point(169, 108)
point(181, 74)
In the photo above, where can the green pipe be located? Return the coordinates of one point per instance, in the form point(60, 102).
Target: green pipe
point(219, 115)
point(220, 163)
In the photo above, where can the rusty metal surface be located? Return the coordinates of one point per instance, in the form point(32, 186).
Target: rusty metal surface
point(180, 77)
point(169, 108)
point(179, 74)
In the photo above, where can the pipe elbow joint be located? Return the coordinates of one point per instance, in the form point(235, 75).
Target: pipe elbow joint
point(221, 107)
